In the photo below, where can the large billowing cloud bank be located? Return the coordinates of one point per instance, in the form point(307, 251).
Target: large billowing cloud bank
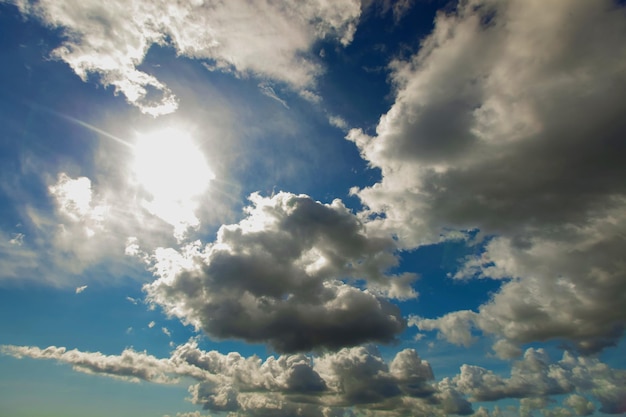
point(510, 121)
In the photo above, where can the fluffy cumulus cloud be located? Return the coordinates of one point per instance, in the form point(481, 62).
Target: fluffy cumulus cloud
point(510, 120)
point(267, 39)
point(535, 378)
point(354, 381)
point(454, 327)
point(294, 273)
point(329, 385)
point(581, 405)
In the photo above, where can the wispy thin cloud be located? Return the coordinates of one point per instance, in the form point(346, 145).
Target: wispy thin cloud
point(268, 90)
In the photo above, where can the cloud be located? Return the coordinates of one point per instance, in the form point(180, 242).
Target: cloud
point(268, 90)
point(73, 197)
point(289, 374)
point(191, 414)
point(81, 220)
point(132, 300)
point(361, 376)
point(288, 274)
point(265, 39)
point(451, 399)
point(535, 376)
point(481, 412)
point(282, 276)
point(580, 405)
point(567, 289)
point(82, 232)
point(338, 122)
point(454, 327)
point(328, 385)
point(81, 289)
point(67, 241)
point(528, 405)
point(509, 121)
point(16, 257)
point(130, 365)
point(17, 239)
point(354, 379)
point(398, 8)
point(97, 230)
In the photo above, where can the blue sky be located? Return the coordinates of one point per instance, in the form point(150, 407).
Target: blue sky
point(348, 208)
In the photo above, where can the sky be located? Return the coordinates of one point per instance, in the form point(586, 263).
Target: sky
point(320, 209)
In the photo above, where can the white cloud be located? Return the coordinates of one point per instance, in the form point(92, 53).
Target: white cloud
point(456, 328)
point(580, 405)
point(68, 241)
point(17, 239)
point(80, 228)
point(535, 376)
point(528, 405)
point(265, 39)
point(73, 196)
point(509, 120)
point(506, 350)
point(268, 90)
point(354, 379)
point(338, 122)
point(481, 412)
point(324, 386)
point(91, 227)
point(192, 414)
point(556, 412)
point(130, 365)
point(17, 257)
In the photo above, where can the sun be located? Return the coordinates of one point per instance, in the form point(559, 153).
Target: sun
point(172, 169)
point(168, 164)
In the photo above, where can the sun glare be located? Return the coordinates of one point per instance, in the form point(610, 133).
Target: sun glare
point(173, 170)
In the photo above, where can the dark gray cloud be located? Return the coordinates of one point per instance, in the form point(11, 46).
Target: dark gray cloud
point(451, 399)
point(510, 120)
point(360, 375)
point(288, 275)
